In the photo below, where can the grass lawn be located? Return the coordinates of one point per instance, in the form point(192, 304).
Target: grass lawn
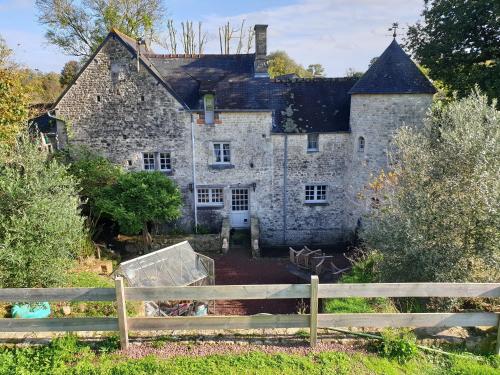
point(67, 356)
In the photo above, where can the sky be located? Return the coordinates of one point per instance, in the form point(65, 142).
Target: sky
point(339, 34)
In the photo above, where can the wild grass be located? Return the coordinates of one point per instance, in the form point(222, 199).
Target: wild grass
point(67, 355)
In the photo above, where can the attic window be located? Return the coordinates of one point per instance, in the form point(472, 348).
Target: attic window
point(361, 144)
point(209, 106)
point(312, 142)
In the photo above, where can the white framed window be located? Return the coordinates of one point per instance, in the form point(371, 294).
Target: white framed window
point(210, 196)
point(222, 153)
point(313, 142)
point(209, 104)
point(157, 161)
point(165, 161)
point(315, 194)
point(149, 161)
point(361, 144)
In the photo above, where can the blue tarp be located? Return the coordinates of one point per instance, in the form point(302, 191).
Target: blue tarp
point(31, 311)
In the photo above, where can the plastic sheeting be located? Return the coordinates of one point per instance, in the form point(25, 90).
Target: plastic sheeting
point(176, 265)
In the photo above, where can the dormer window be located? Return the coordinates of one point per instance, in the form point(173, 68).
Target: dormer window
point(361, 144)
point(209, 106)
point(312, 143)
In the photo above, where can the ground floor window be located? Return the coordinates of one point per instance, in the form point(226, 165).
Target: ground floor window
point(210, 196)
point(315, 194)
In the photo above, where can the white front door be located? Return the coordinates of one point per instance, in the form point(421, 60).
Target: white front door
point(240, 216)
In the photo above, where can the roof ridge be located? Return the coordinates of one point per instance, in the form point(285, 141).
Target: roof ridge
point(195, 55)
point(315, 79)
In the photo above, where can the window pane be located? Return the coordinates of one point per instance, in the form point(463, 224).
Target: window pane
point(226, 153)
point(361, 144)
point(203, 196)
point(321, 192)
point(217, 196)
point(309, 193)
point(165, 162)
point(312, 141)
point(217, 153)
point(149, 161)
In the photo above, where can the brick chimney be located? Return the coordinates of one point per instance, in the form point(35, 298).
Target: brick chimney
point(260, 64)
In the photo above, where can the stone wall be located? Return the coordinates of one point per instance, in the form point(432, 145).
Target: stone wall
point(120, 113)
point(306, 223)
point(248, 134)
point(201, 243)
point(375, 118)
point(106, 114)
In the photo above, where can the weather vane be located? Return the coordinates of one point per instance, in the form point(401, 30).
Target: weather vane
point(393, 28)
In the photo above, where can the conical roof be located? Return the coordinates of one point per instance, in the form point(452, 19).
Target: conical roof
point(393, 73)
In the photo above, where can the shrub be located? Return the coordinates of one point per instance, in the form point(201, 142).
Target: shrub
point(363, 271)
point(41, 229)
point(400, 345)
point(437, 215)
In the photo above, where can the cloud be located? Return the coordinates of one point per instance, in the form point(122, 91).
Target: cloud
point(336, 33)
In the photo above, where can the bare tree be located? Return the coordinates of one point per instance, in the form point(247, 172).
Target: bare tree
point(228, 32)
point(193, 41)
point(171, 43)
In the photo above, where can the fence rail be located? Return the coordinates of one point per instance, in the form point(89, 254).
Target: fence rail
point(314, 291)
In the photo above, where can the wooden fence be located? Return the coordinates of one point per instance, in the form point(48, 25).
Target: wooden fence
point(313, 320)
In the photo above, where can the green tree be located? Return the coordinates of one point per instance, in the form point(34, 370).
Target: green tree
point(458, 41)
point(93, 173)
point(280, 63)
point(139, 198)
point(78, 27)
point(351, 72)
point(42, 88)
point(316, 70)
point(69, 72)
point(436, 214)
point(41, 229)
point(14, 98)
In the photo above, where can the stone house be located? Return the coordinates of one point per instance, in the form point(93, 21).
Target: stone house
point(293, 153)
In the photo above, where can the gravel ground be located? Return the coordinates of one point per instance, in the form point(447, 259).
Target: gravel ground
point(170, 349)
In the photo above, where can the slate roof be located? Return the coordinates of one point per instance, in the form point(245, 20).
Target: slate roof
point(313, 105)
point(299, 105)
point(393, 73)
point(230, 77)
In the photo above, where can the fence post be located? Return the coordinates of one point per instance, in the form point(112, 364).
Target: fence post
point(122, 312)
point(314, 311)
point(498, 336)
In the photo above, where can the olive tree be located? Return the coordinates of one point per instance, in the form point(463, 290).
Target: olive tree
point(435, 215)
point(41, 229)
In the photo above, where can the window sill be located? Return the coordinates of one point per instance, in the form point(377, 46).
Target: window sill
point(316, 204)
point(210, 207)
point(312, 151)
point(221, 166)
point(167, 173)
